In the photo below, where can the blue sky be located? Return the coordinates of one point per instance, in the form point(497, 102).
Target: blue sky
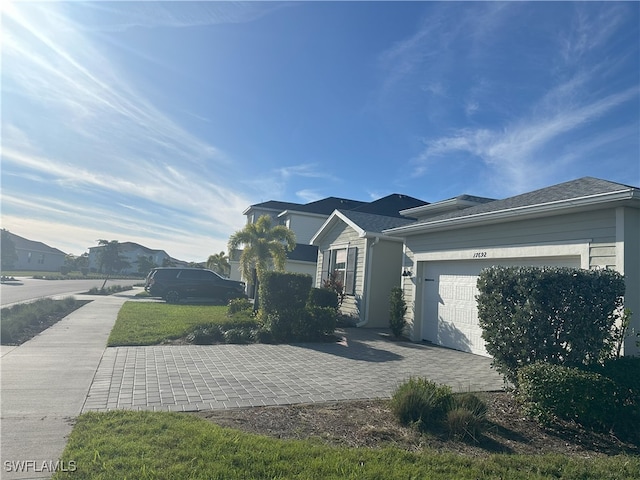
point(160, 122)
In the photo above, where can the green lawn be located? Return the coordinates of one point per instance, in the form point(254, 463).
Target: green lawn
point(147, 445)
point(149, 323)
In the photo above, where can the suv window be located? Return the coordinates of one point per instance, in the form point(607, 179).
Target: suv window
point(196, 275)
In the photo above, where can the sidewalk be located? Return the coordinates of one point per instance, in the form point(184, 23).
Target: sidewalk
point(44, 384)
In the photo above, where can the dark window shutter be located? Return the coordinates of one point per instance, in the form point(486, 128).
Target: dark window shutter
point(326, 258)
point(350, 276)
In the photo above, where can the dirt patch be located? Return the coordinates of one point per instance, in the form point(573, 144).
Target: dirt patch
point(372, 424)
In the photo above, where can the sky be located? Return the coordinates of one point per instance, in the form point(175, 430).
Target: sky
point(161, 122)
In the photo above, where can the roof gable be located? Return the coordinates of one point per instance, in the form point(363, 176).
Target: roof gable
point(364, 224)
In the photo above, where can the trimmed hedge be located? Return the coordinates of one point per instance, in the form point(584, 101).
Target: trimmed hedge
point(557, 315)
point(323, 297)
point(291, 312)
point(555, 391)
point(282, 291)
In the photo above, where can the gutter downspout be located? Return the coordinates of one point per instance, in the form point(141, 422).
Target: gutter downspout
point(368, 263)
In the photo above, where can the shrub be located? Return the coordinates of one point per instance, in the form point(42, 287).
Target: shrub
point(238, 335)
point(467, 416)
point(279, 324)
point(421, 402)
point(311, 323)
point(554, 391)
point(625, 373)
point(323, 297)
point(282, 291)
point(316, 323)
point(397, 311)
point(562, 316)
point(207, 334)
point(333, 283)
point(238, 305)
point(242, 319)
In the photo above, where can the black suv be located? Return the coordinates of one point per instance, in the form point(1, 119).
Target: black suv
point(174, 284)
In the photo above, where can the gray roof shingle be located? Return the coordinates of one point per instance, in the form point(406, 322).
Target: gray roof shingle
point(373, 223)
point(582, 187)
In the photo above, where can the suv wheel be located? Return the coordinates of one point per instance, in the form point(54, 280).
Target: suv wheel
point(172, 296)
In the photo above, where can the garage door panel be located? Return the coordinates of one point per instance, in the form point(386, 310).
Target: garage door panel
point(450, 313)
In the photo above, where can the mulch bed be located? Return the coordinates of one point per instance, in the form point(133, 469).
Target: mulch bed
point(371, 424)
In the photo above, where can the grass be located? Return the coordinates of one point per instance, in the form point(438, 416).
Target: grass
point(148, 445)
point(155, 323)
point(21, 322)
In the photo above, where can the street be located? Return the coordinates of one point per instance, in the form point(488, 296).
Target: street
point(26, 288)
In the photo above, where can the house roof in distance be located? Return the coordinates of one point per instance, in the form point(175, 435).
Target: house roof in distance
point(391, 205)
point(327, 205)
point(26, 244)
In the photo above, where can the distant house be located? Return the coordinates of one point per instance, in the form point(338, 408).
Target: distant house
point(36, 256)
point(585, 223)
point(132, 253)
point(306, 219)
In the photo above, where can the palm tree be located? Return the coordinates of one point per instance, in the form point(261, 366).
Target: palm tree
point(219, 263)
point(264, 245)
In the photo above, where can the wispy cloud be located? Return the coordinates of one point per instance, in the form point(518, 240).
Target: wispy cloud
point(514, 153)
point(86, 127)
point(118, 16)
point(308, 195)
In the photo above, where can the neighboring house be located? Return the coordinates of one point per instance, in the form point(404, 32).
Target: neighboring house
point(36, 256)
point(131, 253)
point(367, 261)
point(586, 223)
point(306, 219)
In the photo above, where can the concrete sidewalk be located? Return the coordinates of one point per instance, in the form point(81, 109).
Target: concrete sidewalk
point(44, 384)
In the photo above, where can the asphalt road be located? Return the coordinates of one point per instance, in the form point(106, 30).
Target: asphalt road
point(25, 289)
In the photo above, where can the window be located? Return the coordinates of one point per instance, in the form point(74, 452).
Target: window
point(342, 262)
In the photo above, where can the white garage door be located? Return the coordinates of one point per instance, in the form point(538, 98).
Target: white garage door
point(450, 314)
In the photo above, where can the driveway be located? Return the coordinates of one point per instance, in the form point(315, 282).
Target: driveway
point(364, 365)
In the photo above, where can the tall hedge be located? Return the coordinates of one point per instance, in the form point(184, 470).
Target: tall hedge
point(284, 291)
point(557, 315)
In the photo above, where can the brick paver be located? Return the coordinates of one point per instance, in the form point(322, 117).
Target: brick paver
point(197, 377)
